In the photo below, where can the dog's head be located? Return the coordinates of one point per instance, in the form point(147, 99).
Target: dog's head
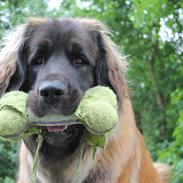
point(56, 61)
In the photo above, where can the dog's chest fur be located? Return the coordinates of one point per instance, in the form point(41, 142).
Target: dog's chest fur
point(75, 169)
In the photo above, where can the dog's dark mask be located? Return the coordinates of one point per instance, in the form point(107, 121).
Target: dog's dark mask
point(57, 63)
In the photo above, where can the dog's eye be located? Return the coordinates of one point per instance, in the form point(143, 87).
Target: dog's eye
point(78, 61)
point(39, 61)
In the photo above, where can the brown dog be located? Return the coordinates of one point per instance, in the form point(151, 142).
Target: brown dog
point(56, 61)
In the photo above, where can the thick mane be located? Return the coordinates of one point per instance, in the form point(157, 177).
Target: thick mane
point(125, 158)
point(9, 50)
point(9, 55)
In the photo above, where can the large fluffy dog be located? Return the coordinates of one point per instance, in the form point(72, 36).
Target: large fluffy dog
point(56, 61)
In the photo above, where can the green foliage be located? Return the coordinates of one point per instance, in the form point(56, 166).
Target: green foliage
point(173, 154)
point(8, 162)
point(147, 12)
point(150, 34)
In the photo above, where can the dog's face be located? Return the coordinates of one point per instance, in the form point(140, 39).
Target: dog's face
point(60, 58)
point(57, 63)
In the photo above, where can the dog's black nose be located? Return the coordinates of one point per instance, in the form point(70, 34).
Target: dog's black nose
point(52, 91)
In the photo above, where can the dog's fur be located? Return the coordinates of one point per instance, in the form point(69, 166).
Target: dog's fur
point(125, 158)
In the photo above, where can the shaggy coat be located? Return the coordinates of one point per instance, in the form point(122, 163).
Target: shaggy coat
point(125, 158)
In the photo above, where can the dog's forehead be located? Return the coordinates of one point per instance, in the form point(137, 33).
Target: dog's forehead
point(63, 34)
point(61, 31)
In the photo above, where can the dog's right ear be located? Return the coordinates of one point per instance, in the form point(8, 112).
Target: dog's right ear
point(13, 56)
point(19, 76)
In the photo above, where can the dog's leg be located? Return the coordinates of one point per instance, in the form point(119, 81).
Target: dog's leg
point(24, 167)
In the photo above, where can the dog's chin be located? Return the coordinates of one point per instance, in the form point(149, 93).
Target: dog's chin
point(60, 143)
point(63, 136)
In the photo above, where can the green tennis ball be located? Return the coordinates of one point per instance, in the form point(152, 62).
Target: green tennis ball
point(13, 117)
point(98, 113)
point(100, 93)
point(98, 110)
point(98, 117)
point(17, 100)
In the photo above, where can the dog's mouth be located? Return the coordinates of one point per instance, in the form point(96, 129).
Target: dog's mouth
point(63, 135)
point(57, 129)
point(67, 129)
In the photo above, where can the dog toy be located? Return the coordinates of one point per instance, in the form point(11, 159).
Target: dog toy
point(13, 110)
point(97, 111)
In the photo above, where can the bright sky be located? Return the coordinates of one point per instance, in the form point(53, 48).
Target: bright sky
point(54, 4)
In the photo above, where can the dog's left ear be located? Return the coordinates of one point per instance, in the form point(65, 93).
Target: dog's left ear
point(110, 65)
point(13, 56)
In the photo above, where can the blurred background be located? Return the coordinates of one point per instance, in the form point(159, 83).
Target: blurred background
point(150, 34)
